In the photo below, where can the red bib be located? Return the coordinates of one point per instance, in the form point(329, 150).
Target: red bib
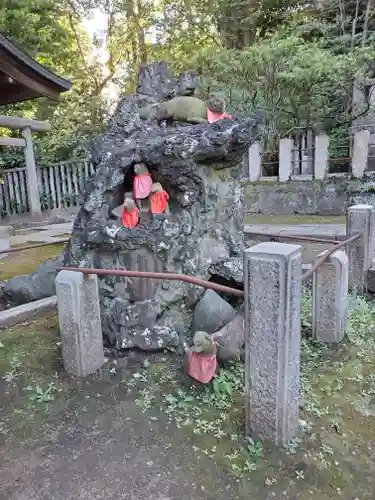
point(159, 202)
point(142, 186)
point(214, 117)
point(130, 219)
point(202, 368)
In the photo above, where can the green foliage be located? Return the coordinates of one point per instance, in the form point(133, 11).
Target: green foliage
point(294, 59)
point(296, 82)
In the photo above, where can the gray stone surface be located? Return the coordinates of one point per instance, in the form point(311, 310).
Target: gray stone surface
point(321, 156)
point(330, 298)
point(133, 324)
point(360, 153)
point(255, 162)
point(285, 159)
point(212, 313)
point(34, 286)
point(5, 242)
point(80, 324)
point(360, 219)
point(200, 166)
point(230, 340)
point(272, 340)
point(18, 314)
point(331, 196)
point(229, 270)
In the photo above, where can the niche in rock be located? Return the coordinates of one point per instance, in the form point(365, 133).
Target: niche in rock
point(161, 186)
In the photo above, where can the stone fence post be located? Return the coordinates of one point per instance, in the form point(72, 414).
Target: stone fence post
point(80, 325)
point(255, 161)
point(272, 340)
point(330, 298)
point(321, 156)
point(285, 159)
point(360, 219)
point(360, 153)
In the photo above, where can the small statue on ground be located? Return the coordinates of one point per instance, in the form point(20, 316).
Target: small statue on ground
point(142, 186)
point(159, 199)
point(201, 358)
point(130, 213)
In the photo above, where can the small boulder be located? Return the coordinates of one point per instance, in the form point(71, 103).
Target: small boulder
point(230, 340)
point(230, 270)
point(212, 313)
point(37, 285)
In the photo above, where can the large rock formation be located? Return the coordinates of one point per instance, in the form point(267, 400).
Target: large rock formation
point(200, 168)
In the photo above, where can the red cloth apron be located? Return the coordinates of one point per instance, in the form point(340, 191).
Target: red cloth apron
point(159, 202)
point(142, 186)
point(214, 117)
point(202, 368)
point(130, 219)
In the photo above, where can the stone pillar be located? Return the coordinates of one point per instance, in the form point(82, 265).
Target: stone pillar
point(321, 156)
point(80, 325)
point(32, 178)
point(255, 161)
point(330, 298)
point(285, 159)
point(360, 153)
point(360, 219)
point(4, 240)
point(272, 340)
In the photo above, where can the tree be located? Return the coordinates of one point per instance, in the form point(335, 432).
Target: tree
point(296, 83)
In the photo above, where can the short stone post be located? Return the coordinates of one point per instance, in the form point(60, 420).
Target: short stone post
point(360, 219)
point(330, 298)
point(272, 340)
point(31, 175)
point(285, 159)
point(321, 156)
point(80, 325)
point(4, 240)
point(360, 153)
point(255, 161)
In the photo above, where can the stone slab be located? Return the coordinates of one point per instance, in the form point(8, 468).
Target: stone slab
point(330, 298)
point(272, 340)
point(22, 313)
point(80, 324)
point(360, 219)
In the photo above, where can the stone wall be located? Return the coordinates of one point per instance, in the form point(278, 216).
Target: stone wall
point(321, 197)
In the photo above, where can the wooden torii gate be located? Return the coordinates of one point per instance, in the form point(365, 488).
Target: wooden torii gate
point(22, 78)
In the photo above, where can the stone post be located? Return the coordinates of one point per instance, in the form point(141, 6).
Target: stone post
point(321, 156)
point(32, 178)
point(80, 325)
point(272, 340)
point(360, 153)
point(4, 240)
point(330, 298)
point(255, 161)
point(360, 219)
point(285, 159)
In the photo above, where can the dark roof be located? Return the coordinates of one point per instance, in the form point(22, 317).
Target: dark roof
point(23, 78)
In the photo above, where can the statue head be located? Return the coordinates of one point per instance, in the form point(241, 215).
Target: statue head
point(216, 103)
point(129, 204)
point(201, 341)
point(187, 83)
point(141, 169)
point(157, 187)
